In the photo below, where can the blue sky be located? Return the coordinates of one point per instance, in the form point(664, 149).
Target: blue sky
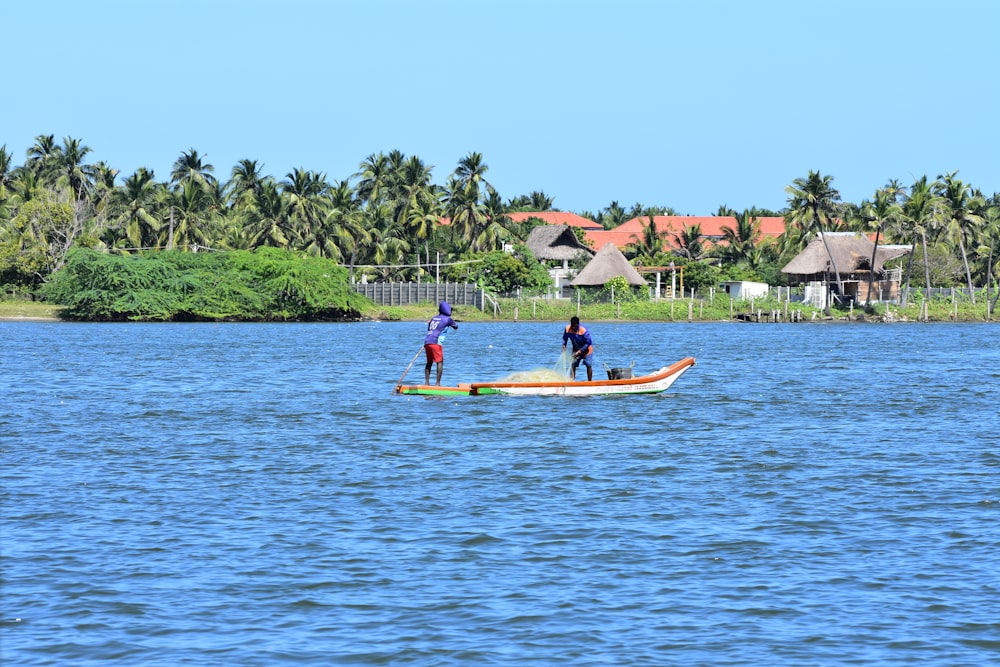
point(691, 105)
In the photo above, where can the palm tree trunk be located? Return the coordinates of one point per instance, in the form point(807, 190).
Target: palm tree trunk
point(909, 272)
point(989, 283)
point(871, 274)
point(968, 273)
point(833, 263)
point(927, 268)
point(170, 233)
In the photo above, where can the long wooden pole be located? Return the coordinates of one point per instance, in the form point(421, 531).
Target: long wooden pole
point(412, 361)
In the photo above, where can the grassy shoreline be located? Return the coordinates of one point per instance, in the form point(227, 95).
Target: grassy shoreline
point(558, 311)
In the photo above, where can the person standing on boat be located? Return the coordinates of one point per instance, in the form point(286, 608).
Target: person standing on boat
point(435, 336)
point(583, 347)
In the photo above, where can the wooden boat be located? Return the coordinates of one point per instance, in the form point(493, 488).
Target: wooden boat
point(653, 383)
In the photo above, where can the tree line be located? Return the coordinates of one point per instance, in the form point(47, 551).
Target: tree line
point(386, 220)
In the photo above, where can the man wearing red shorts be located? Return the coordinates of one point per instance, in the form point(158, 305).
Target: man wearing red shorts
point(432, 343)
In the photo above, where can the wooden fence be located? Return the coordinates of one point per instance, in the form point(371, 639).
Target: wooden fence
point(401, 294)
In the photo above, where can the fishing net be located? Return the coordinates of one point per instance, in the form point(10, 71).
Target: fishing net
point(558, 373)
point(536, 375)
point(564, 362)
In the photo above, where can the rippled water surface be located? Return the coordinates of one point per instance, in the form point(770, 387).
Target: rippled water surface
point(248, 494)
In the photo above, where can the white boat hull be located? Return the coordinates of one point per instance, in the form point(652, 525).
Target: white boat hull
point(653, 383)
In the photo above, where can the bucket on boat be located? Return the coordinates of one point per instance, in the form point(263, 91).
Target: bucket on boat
point(619, 373)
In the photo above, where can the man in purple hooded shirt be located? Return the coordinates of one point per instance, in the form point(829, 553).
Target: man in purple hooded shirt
point(432, 345)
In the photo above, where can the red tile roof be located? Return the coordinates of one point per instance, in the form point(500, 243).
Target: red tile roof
point(557, 218)
point(628, 231)
point(711, 228)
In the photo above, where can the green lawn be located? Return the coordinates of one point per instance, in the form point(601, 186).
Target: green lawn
point(28, 309)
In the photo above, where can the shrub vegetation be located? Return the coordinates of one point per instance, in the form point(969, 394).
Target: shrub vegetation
point(267, 284)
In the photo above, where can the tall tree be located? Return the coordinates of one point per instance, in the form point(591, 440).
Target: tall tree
point(374, 173)
point(689, 243)
point(613, 216)
point(960, 202)
point(103, 187)
point(135, 208)
point(6, 177)
point(497, 229)
point(648, 244)
point(414, 195)
point(878, 214)
point(991, 238)
point(535, 202)
point(189, 215)
point(344, 224)
point(741, 241)
point(388, 246)
point(267, 218)
point(72, 171)
point(244, 181)
point(539, 201)
point(811, 202)
point(42, 156)
point(190, 167)
point(921, 210)
point(307, 194)
point(467, 213)
point(471, 174)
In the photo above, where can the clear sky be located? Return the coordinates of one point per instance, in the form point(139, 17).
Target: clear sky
point(690, 104)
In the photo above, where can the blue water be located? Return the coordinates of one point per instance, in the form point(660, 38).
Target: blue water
point(250, 494)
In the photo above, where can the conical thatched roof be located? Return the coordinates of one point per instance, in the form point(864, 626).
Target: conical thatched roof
point(555, 242)
point(608, 263)
point(852, 252)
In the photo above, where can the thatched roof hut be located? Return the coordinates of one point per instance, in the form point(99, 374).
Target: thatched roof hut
point(556, 243)
point(608, 263)
point(851, 252)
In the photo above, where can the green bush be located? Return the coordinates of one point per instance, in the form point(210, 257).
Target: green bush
point(265, 285)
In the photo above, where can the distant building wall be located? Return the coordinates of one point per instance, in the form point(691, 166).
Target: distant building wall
point(745, 289)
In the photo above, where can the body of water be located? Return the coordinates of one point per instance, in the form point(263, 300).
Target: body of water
point(255, 494)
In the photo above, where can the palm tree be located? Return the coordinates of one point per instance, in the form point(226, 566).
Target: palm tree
point(647, 247)
point(689, 243)
point(989, 236)
point(244, 181)
point(189, 167)
point(471, 174)
point(6, 177)
point(26, 184)
point(374, 174)
point(42, 155)
point(102, 186)
point(189, 207)
point(811, 203)
point(613, 216)
point(134, 205)
point(388, 246)
point(498, 227)
point(741, 241)
point(468, 216)
point(879, 214)
point(344, 223)
point(921, 209)
point(307, 194)
point(539, 201)
point(960, 202)
point(267, 218)
point(72, 171)
point(414, 194)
